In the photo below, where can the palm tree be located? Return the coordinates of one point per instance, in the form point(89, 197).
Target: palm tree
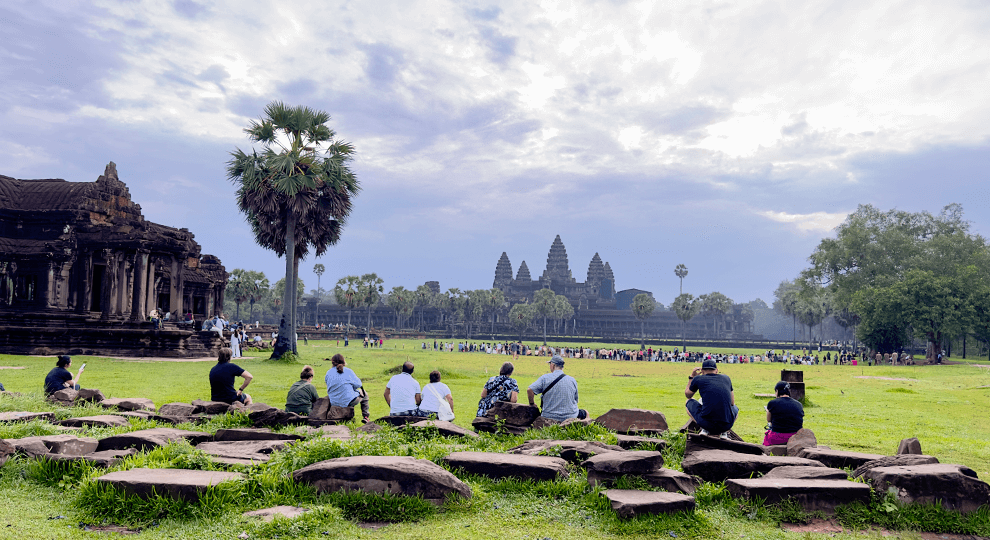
point(370, 292)
point(346, 294)
point(295, 193)
point(681, 271)
point(318, 269)
point(686, 308)
point(544, 301)
point(643, 306)
point(424, 297)
point(494, 302)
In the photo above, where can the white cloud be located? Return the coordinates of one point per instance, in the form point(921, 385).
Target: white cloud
point(814, 222)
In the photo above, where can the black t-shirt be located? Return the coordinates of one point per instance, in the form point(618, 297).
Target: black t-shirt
point(786, 415)
point(716, 398)
point(56, 379)
point(222, 382)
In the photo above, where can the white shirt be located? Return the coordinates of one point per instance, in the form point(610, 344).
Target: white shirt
point(402, 392)
point(430, 402)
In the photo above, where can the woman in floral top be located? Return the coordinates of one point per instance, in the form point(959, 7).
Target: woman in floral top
point(500, 388)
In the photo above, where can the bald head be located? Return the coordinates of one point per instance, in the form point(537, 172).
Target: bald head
point(408, 367)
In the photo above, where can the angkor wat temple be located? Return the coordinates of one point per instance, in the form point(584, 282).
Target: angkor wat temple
point(80, 270)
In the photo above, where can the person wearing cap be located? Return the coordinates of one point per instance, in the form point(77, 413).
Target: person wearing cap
point(784, 414)
point(717, 411)
point(560, 392)
point(60, 378)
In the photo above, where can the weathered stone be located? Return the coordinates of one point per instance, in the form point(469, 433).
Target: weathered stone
point(629, 442)
point(910, 446)
point(484, 424)
point(804, 438)
point(899, 460)
point(147, 439)
point(253, 434)
point(572, 451)
point(237, 407)
point(717, 465)
point(497, 466)
point(178, 409)
point(776, 450)
point(249, 450)
point(629, 503)
point(210, 407)
point(665, 479)
point(340, 415)
point(369, 428)
point(398, 420)
point(19, 416)
point(66, 444)
point(633, 421)
point(102, 460)
point(812, 495)
point(516, 414)
point(627, 462)
point(578, 421)
point(129, 404)
point(268, 514)
point(102, 420)
point(840, 459)
point(699, 443)
point(342, 433)
point(447, 429)
point(541, 422)
point(399, 475)
point(29, 447)
point(92, 395)
point(275, 418)
point(175, 483)
point(955, 487)
point(255, 407)
point(804, 472)
point(320, 409)
point(6, 450)
point(64, 396)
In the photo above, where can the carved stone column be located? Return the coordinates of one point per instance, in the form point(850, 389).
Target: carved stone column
point(109, 286)
point(84, 288)
point(138, 297)
point(175, 289)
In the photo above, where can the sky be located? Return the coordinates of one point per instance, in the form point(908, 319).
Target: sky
point(727, 136)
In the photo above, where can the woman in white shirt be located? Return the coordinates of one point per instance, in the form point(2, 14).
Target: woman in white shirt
point(430, 403)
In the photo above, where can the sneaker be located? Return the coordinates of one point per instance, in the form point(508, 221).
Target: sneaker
point(703, 432)
point(725, 435)
point(365, 420)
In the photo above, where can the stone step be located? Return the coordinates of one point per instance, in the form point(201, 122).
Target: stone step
point(718, 465)
point(839, 459)
point(398, 475)
point(181, 484)
point(495, 465)
point(629, 503)
point(812, 495)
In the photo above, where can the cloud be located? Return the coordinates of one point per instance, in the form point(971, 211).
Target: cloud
point(815, 222)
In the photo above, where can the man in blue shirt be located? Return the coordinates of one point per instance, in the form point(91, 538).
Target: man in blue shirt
point(560, 392)
point(717, 411)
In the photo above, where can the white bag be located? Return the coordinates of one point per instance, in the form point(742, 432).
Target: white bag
point(444, 412)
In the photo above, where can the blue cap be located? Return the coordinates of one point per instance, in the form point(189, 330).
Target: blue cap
point(556, 360)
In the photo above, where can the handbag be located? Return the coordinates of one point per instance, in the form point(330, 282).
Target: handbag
point(444, 412)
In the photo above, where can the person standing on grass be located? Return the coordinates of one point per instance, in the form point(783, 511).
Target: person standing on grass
point(560, 393)
point(344, 388)
point(402, 393)
point(784, 414)
point(222, 378)
point(717, 411)
point(60, 378)
point(302, 393)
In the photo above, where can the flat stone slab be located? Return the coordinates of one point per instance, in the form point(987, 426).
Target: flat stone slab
point(128, 404)
point(803, 472)
point(895, 461)
point(273, 417)
point(210, 407)
point(19, 416)
point(447, 429)
point(253, 434)
point(956, 487)
point(633, 421)
point(573, 451)
point(102, 420)
point(839, 459)
point(485, 424)
point(665, 479)
point(268, 514)
point(398, 421)
point(341, 433)
point(494, 465)
point(178, 409)
point(516, 414)
point(627, 462)
point(698, 443)
point(175, 483)
point(249, 450)
point(629, 503)
point(57, 444)
point(398, 475)
point(6, 450)
point(718, 465)
point(629, 442)
point(101, 460)
point(812, 495)
point(146, 439)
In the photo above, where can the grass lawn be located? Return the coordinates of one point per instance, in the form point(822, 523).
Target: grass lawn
point(852, 408)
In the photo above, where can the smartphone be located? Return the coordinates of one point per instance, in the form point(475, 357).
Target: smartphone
point(82, 366)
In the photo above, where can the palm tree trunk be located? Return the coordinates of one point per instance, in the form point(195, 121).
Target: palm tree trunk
point(295, 304)
point(544, 329)
point(288, 295)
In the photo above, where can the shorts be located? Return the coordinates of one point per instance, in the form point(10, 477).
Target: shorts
point(694, 408)
point(774, 438)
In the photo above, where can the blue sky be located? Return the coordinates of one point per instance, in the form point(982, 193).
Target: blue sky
point(727, 136)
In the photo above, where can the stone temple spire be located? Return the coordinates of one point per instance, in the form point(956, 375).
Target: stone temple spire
point(557, 269)
point(608, 273)
point(503, 272)
point(523, 274)
point(596, 271)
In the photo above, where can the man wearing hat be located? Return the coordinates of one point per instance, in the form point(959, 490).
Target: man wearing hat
point(784, 414)
point(560, 392)
point(717, 411)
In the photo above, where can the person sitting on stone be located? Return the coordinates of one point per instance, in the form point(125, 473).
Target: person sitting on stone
point(502, 387)
point(717, 412)
point(344, 388)
point(60, 378)
point(222, 380)
point(430, 404)
point(402, 393)
point(560, 393)
point(784, 414)
point(302, 393)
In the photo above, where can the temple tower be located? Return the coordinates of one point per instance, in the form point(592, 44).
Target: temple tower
point(596, 273)
point(557, 269)
point(523, 274)
point(503, 273)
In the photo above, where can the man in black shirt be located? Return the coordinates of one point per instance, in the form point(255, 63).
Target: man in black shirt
point(60, 378)
point(222, 380)
point(717, 411)
point(785, 415)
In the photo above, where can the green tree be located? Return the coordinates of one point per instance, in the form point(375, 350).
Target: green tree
point(402, 302)
point(716, 305)
point(681, 272)
point(318, 269)
point(370, 292)
point(643, 306)
point(443, 302)
point(296, 192)
point(494, 303)
point(686, 307)
point(346, 294)
point(278, 292)
point(424, 298)
point(786, 300)
point(520, 316)
point(238, 289)
point(544, 301)
point(562, 310)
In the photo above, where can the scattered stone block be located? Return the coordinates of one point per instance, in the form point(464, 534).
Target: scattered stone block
point(178, 409)
point(804, 438)
point(636, 462)
point(102, 420)
point(955, 487)
point(247, 450)
point(629, 503)
point(629, 442)
point(899, 460)
point(255, 407)
point(182, 484)
point(342, 433)
point(483, 424)
point(801, 472)
point(147, 439)
point(210, 407)
point(572, 451)
point(68, 444)
point(516, 414)
point(665, 479)
point(273, 417)
point(253, 434)
point(910, 446)
point(580, 421)
point(92, 395)
point(368, 428)
point(812, 495)
point(129, 404)
point(20, 416)
point(633, 421)
point(542, 422)
point(101, 460)
point(398, 421)
point(268, 514)
point(399, 475)
point(776, 450)
point(6, 450)
point(494, 465)
point(447, 429)
point(698, 443)
point(718, 465)
point(839, 459)
point(29, 447)
point(320, 409)
point(64, 397)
